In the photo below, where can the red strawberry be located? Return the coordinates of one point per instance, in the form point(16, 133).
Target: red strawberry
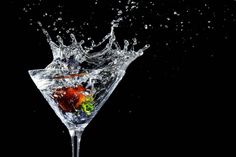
point(69, 98)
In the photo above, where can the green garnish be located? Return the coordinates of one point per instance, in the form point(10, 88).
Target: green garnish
point(87, 107)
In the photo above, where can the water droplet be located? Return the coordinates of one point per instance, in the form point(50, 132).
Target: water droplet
point(45, 14)
point(146, 26)
point(134, 41)
point(25, 10)
point(152, 3)
point(177, 14)
point(120, 12)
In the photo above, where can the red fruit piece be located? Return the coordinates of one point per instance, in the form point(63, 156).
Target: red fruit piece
point(80, 88)
point(81, 99)
point(69, 98)
point(64, 99)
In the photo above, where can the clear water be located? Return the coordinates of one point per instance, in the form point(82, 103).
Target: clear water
point(98, 69)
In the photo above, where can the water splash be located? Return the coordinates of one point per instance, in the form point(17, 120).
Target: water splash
point(96, 69)
point(111, 54)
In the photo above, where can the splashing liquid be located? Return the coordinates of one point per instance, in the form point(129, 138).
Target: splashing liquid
point(80, 79)
point(111, 54)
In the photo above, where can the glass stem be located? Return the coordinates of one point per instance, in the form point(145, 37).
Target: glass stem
point(75, 142)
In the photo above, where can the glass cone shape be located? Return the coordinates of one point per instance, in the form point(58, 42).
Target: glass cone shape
point(80, 79)
point(76, 97)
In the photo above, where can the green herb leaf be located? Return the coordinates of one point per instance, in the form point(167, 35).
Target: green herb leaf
point(87, 107)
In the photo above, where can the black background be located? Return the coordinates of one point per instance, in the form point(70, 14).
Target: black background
point(169, 102)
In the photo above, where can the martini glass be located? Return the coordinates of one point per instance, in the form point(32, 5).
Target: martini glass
point(79, 80)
